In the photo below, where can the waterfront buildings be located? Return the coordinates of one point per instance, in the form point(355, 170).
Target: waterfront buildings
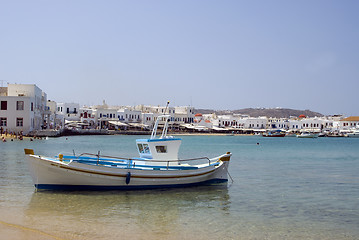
point(142, 117)
point(23, 108)
point(349, 123)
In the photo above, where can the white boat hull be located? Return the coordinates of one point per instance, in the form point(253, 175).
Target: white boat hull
point(50, 173)
point(308, 135)
point(353, 135)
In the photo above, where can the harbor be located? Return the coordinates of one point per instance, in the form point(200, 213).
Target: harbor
point(283, 188)
point(179, 120)
point(21, 113)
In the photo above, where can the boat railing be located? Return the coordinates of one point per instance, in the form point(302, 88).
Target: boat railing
point(98, 158)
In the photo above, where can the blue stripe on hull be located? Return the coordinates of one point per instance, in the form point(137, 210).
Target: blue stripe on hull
point(127, 187)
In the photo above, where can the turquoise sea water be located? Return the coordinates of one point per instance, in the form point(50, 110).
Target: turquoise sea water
point(284, 188)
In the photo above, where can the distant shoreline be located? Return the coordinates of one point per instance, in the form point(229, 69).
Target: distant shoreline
point(10, 137)
point(70, 132)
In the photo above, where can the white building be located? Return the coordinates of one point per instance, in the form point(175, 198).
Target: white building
point(295, 124)
point(102, 116)
point(228, 121)
point(88, 116)
point(23, 108)
point(54, 120)
point(179, 115)
point(312, 124)
point(255, 123)
point(278, 123)
point(70, 111)
point(183, 115)
point(148, 119)
point(349, 123)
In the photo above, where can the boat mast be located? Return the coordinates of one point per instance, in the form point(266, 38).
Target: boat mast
point(165, 127)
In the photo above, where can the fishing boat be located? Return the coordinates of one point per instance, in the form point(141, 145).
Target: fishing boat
point(274, 133)
point(157, 166)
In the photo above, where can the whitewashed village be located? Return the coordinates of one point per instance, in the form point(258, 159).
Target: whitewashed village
point(26, 110)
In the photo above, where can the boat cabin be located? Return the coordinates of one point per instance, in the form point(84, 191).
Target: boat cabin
point(159, 149)
point(163, 149)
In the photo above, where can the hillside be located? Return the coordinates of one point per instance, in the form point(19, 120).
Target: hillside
point(268, 112)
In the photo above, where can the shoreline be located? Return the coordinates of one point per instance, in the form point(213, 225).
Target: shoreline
point(70, 132)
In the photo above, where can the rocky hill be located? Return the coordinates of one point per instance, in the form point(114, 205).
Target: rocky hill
point(268, 112)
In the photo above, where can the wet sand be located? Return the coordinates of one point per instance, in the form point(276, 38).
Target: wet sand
point(10, 231)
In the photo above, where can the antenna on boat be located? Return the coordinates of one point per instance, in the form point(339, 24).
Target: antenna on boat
point(166, 118)
point(168, 102)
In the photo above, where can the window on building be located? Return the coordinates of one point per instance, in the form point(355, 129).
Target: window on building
point(67, 110)
point(20, 105)
point(3, 105)
point(75, 110)
point(19, 122)
point(32, 107)
point(3, 122)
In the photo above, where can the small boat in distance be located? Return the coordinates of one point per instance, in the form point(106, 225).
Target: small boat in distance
point(274, 133)
point(353, 134)
point(157, 166)
point(308, 135)
point(290, 133)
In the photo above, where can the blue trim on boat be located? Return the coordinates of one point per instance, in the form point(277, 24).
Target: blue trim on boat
point(128, 164)
point(126, 187)
point(158, 139)
point(137, 166)
point(124, 164)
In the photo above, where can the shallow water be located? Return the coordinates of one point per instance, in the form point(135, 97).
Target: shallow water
point(284, 188)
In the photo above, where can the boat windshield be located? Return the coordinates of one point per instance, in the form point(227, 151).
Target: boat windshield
point(143, 148)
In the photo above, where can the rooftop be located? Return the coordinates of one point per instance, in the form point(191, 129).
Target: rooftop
point(352, 118)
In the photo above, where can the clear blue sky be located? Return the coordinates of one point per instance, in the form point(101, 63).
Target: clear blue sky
point(211, 54)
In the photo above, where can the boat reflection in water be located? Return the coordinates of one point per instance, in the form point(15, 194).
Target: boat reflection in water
point(142, 214)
